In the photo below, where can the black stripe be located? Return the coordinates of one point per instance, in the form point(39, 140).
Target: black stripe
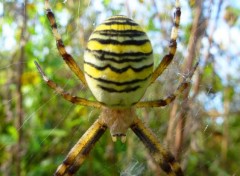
point(90, 143)
point(126, 54)
point(119, 83)
point(176, 25)
point(145, 138)
point(119, 17)
point(152, 147)
point(119, 70)
point(178, 12)
point(173, 43)
point(125, 33)
point(126, 22)
point(86, 149)
point(112, 90)
point(116, 42)
point(51, 18)
point(121, 60)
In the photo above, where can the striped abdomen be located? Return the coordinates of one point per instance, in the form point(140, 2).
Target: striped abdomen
point(118, 62)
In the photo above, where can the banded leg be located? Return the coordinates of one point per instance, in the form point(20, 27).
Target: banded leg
point(162, 157)
point(167, 59)
point(61, 48)
point(65, 95)
point(163, 102)
point(79, 152)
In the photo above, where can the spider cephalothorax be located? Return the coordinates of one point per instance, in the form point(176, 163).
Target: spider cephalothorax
point(118, 68)
point(118, 121)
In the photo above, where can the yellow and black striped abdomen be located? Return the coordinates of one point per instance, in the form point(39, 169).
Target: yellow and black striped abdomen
point(118, 62)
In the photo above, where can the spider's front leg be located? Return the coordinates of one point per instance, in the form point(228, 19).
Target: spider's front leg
point(162, 157)
point(61, 48)
point(65, 95)
point(167, 59)
point(81, 149)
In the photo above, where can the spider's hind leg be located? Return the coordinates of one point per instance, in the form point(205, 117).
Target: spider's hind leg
point(163, 102)
point(81, 149)
point(162, 157)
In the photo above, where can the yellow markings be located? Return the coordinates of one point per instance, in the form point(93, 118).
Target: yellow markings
point(119, 77)
point(172, 51)
point(119, 27)
point(145, 48)
point(174, 33)
point(56, 34)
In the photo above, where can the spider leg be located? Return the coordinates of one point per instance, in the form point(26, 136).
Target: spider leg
point(167, 59)
point(162, 157)
point(166, 101)
point(79, 152)
point(60, 45)
point(65, 95)
point(163, 102)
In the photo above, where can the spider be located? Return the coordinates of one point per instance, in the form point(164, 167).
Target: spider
point(118, 68)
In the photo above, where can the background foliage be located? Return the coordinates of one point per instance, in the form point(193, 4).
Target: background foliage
point(201, 127)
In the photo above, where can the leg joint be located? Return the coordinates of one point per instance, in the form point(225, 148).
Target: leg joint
point(177, 12)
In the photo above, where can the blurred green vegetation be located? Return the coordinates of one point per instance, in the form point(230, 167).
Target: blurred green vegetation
point(38, 127)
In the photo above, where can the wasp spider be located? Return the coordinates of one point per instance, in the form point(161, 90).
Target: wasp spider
point(118, 68)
